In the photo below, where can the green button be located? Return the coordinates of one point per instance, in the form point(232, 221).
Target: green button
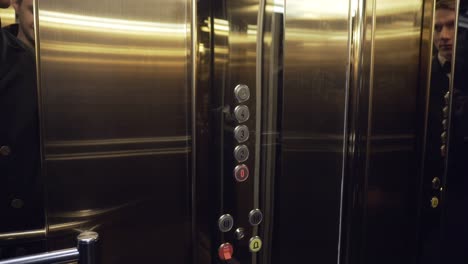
point(255, 244)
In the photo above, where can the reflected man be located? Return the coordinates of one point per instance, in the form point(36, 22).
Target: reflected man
point(21, 198)
point(437, 126)
point(444, 34)
point(25, 28)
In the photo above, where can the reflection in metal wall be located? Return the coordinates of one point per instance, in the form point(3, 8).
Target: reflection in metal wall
point(307, 211)
point(392, 199)
point(115, 109)
point(384, 177)
point(455, 202)
point(7, 16)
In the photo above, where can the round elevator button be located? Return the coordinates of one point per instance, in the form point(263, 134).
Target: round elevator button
point(5, 150)
point(242, 113)
point(17, 203)
point(255, 217)
point(436, 183)
point(434, 202)
point(240, 233)
point(241, 153)
point(225, 251)
point(255, 244)
point(225, 223)
point(242, 93)
point(241, 173)
point(241, 133)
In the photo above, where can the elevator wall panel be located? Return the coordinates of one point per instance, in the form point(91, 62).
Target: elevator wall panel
point(392, 179)
point(315, 82)
point(115, 87)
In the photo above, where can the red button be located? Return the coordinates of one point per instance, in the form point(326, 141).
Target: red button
point(225, 251)
point(241, 173)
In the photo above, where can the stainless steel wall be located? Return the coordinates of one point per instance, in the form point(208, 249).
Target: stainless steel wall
point(392, 178)
point(308, 203)
point(115, 92)
point(384, 119)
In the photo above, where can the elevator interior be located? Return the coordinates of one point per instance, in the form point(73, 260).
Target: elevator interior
point(239, 131)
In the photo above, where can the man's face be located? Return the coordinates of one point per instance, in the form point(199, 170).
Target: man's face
point(444, 32)
point(26, 21)
point(4, 3)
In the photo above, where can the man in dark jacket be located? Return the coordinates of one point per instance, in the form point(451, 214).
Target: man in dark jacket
point(21, 196)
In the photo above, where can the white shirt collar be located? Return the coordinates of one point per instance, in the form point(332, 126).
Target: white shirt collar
point(441, 59)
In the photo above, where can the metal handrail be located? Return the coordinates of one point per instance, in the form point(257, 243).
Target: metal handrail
point(84, 253)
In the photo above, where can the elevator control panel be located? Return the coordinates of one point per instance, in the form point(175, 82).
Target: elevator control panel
point(240, 143)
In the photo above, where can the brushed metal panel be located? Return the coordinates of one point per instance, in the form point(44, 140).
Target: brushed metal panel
point(313, 123)
point(272, 87)
point(115, 90)
point(7, 16)
point(236, 29)
point(391, 184)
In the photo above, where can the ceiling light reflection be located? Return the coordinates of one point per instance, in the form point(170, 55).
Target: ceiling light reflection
point(87, 23)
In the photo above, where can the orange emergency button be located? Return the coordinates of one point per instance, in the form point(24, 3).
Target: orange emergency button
point(225, 251)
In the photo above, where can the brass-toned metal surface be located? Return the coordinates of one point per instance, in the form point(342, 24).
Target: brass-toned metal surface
point(115, 88)
point(7, 16)
point(271, 80)
point(34, 234)
point(316, 59)
point(236, 53)
point(387, 178)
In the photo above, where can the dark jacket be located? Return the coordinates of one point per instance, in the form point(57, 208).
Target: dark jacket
point(20, 185)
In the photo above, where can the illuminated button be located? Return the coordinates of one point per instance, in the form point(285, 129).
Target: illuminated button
point(241, 173)
point(445, 111)
point(436, 183)
point(443, 137)
point(241, 153)
point(255, 244)
point(434, 202)
point(241, 133)
point(5, 150)
point(255, 217)
point(240, 233)
point(447, 98)
point(443, 150)
point(225, 251)
point(17, 203)
point(225, 223)
point(242, 113)
point(242, 93)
